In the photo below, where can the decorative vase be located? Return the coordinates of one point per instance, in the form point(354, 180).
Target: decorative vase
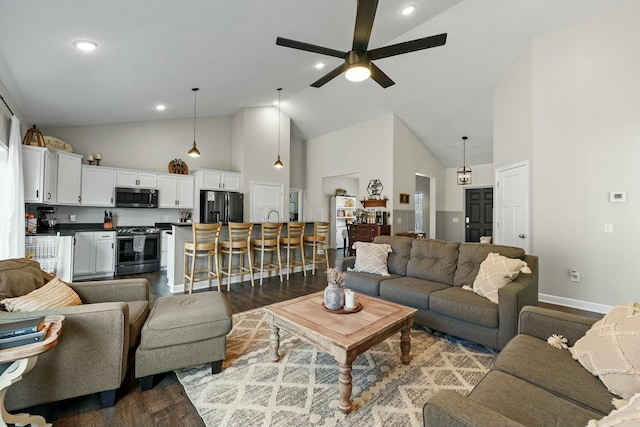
point(333, 296)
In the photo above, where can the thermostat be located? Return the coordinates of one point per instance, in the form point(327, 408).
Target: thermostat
point(618, 196)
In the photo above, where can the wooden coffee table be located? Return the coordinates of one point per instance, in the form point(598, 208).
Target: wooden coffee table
point(345, 336)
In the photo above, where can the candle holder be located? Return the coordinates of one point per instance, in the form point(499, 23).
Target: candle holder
point(90, 162)
point(97, 162)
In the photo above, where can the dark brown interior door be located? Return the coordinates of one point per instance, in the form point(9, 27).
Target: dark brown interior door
point(479, 211)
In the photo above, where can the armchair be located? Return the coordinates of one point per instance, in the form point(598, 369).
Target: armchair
point(98, 337)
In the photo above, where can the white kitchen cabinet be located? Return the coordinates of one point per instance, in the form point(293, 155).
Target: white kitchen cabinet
point(68, 186)
point(218, 180)
point(94, 254)
point(136, 179)
point(39, 175)
point(175, 191)
point(97, 186)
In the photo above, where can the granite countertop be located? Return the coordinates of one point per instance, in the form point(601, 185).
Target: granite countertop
point(69, 229)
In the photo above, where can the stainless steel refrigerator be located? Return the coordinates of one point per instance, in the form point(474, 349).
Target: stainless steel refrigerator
point(221, 206)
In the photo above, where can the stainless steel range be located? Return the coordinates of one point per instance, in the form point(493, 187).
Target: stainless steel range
point(138, 250)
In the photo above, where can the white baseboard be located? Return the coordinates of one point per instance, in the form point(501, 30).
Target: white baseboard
point(574, 303)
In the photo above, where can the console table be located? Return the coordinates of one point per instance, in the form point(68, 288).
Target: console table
point(365, 233)
point(23, 358)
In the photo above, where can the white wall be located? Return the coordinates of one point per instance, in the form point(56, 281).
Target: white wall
point(585, 143)
point(255, 134)
point(151, 145)
point(365, 149)
point(512, 113)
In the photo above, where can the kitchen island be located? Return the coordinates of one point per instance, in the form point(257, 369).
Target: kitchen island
point(182, 232)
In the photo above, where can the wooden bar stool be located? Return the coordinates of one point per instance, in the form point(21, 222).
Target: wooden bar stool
point(239, 243)
point(205, 244)
point(318, 241)
point(292, 241)
point(269, 241)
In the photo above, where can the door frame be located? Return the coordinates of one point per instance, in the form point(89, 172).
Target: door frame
point(498, 203)
point(300, 204)
point(431, 233)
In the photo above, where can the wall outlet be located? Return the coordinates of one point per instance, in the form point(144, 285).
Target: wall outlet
point(575, 276)
point(608, 227)
point(166, 218)
point(399, 220)
point(455, 219)
point(73, 218)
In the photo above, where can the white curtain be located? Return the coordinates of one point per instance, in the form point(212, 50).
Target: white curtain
point(12, 199)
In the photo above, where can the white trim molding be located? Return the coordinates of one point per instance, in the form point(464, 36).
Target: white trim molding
point(574, 303)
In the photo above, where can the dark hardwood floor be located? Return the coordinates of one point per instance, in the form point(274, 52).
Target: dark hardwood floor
point(166, 403)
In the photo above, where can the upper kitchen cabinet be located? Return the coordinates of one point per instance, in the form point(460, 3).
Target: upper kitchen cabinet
point(69, 167)
point(136, 179)
point(97, 186)
point(217, 180)
point(175, 191)
point(39, 175)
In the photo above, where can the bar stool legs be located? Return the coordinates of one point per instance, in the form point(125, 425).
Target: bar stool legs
point(239, 243)
point(292, 241)
point(318, 241)
point(269, 241)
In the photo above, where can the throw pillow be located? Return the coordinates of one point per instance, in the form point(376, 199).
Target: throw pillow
point(611, 350)
point(495, 272)
point(627, 416)
point(54, 294)
point(372, 258)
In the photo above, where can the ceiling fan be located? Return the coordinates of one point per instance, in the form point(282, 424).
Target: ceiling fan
point(357, 64)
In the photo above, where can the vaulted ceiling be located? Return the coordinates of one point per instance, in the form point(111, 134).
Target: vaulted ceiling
point(154, 51)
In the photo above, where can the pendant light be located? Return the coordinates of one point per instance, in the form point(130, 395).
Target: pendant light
point(194, 152)
point(464, 171)
point(278, 164)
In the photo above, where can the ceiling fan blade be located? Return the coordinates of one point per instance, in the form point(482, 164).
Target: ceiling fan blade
point(329, 76)
point(410, 46)
point(364, 23)
point(294, 44)
point(380, 77)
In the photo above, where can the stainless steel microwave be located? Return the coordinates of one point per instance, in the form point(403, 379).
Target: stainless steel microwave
point(136, 198)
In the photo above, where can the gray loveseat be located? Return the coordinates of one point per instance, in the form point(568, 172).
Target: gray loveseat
point(531, 382)
point(428, 275)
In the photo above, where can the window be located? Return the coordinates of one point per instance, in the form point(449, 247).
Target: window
point(418, 210)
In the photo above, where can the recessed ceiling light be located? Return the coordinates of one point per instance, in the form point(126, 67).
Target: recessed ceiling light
point(275, 102)
point(408, 10)
point(161, 107)
point(320, 65)
point(85, 45)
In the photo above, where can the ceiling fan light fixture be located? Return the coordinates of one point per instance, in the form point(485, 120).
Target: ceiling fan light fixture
point(357, 73)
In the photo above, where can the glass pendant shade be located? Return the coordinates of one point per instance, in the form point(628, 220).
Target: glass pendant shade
point(464, 171)
point(278, 164)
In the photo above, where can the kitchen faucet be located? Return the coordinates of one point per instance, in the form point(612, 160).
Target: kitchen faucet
point(277, 214)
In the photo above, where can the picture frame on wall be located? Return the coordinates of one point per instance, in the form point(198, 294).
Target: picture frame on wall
point(404, 199)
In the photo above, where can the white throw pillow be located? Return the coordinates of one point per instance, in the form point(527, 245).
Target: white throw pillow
point(611, 350)
point(54, 294)
point(372, 258)
point(627, 416)
point(495, 272)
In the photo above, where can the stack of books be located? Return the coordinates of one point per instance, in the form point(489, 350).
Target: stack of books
point(22, 332)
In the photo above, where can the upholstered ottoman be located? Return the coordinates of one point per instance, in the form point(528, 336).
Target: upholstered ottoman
point(183, 331)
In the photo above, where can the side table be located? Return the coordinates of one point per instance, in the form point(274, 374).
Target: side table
point(23, 360)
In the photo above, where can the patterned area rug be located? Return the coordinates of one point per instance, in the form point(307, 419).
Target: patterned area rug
point(302, 388)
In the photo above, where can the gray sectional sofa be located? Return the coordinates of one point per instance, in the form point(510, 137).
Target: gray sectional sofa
point(531, 382)
point(428, 275)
